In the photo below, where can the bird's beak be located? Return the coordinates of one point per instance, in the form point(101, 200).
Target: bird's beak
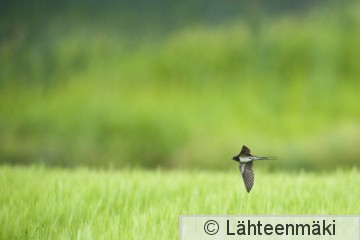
point(235, 158)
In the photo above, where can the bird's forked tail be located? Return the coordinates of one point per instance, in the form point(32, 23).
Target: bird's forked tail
point(264, 158)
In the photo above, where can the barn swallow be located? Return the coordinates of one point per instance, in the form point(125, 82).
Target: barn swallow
point(246, 160)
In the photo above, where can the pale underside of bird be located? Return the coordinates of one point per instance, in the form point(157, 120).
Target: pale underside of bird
point(246, 160)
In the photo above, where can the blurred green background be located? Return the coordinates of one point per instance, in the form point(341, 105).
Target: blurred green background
point(179, 84)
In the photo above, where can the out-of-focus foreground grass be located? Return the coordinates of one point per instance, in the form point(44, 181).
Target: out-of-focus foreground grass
point(42, 203)
point(190, 98)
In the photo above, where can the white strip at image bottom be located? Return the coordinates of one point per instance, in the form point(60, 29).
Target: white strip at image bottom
point(270, 227)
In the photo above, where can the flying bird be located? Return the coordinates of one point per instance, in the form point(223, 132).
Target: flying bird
point(246, 160)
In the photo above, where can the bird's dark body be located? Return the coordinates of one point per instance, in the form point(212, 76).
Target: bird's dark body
point(246, 160)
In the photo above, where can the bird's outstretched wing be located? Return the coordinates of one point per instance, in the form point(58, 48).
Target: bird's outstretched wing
point(247, 175)
point(245, 151)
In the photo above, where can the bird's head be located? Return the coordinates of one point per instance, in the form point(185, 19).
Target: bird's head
point(236, 158)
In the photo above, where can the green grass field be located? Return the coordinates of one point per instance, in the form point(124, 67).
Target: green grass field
point(111, 131)
point(43, 203)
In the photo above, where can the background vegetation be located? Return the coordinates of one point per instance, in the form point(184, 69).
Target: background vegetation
point(179, 84)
